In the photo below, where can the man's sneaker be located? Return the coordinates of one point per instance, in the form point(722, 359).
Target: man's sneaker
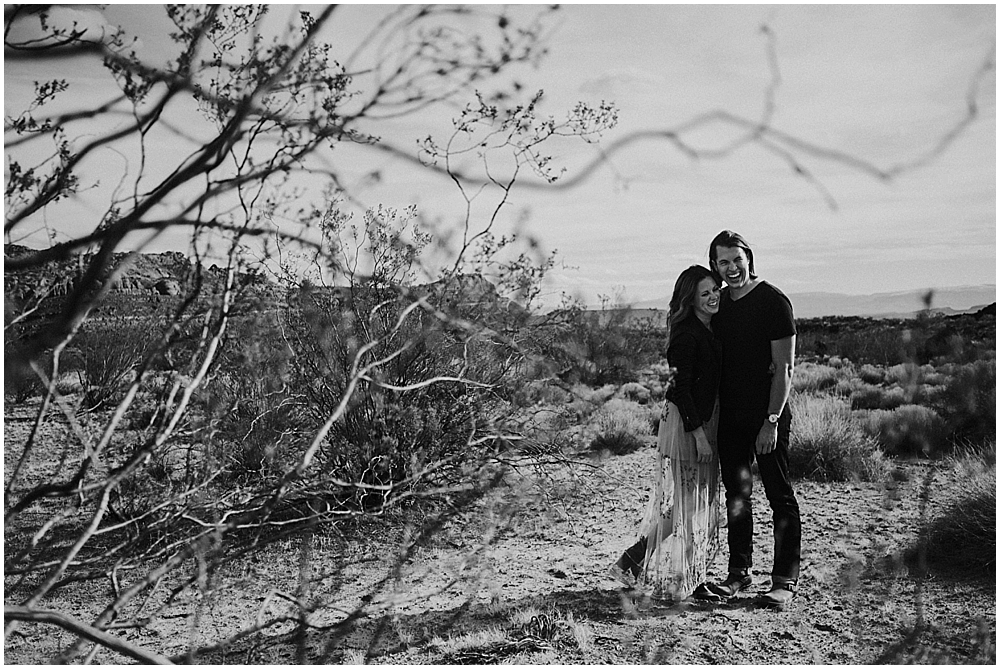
point(723, 592)
point(622, 576)
point(778, 596)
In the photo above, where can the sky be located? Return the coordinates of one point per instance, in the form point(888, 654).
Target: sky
point(881, 83)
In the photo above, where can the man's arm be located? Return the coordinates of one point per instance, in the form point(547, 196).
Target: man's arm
point(783, 359)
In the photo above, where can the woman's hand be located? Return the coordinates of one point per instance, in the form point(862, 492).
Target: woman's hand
point(705, 452)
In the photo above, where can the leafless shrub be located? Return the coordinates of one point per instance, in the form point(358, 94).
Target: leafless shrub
point(108, 353)
point(621, 427)
point(907, 430)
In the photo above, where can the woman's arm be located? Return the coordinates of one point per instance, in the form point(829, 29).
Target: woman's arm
point(682, 355)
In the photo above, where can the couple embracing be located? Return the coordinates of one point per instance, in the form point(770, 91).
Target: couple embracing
point(732, 349)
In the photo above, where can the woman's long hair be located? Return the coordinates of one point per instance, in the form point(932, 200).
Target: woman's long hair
point(685, 290)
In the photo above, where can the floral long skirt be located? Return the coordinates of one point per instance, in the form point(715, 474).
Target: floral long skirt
point(682, 520)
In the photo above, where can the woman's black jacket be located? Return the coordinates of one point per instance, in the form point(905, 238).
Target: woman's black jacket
point(695, 354)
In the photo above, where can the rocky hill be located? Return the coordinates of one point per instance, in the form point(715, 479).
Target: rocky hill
point(144, 279)
point(140, 273)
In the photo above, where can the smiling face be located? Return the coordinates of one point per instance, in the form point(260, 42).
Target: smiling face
point(706, 299)
point(732, 265)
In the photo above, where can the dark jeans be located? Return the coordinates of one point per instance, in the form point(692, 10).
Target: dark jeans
point(737, 437)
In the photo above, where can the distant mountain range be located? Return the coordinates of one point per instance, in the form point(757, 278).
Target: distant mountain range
point(904, 304)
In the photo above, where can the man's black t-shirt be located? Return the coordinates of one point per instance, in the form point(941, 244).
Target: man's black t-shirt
point(745, 328)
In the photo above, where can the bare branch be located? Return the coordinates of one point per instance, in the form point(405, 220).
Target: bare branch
point(83, 630)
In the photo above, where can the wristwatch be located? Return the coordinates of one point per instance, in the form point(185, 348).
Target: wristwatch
point(773, 418)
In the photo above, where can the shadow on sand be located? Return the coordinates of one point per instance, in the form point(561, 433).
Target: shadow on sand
point(389, 635)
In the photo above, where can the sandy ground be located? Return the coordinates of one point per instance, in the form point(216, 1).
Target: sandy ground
point(541, 548)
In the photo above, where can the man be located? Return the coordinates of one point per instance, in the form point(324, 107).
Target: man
point(756, 329)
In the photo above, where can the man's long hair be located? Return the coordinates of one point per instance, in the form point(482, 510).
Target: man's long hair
point(730, 240)
point(685, 291)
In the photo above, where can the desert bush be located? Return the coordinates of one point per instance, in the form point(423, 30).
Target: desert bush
point(254, 424)
point(20, 382)
point(657, 380)
point(935, 378)
point(879, 344)
point(621, 426)
point(888, 342)
point(636, 392)
point(539, 391)
point(107, 353)
point(871, 375)
point(544, 430)
point(662, 371)
point(928, 395)
point(907, 430)
point(594, 396)
point(657, 391)
point(432, 389)
point(963, 537)
point(142, 415)
point(845, 387)
point(904, 374)
point(827, 444)
point(810, 377)
point(871, 397)
point(605, 346)
point(968, 402)
point(604, 393)
point(249, 403)
point(583, 400)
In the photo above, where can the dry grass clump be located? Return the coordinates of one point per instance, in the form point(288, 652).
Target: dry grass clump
point(621, 426)
point(827, 444)
point(908, 430)
point(540, 391)
point(635, 391)
point(20, 382)
point(661, 370)
point(837, 362)
point(968, 402)
point(527, 634)
point(812, 377)
point(657, 378)
point(871, 375)
point(871, 397)
point(847, 386)
point(964, 536)
point(904, 374)
point(584, 400)
point(935, 378)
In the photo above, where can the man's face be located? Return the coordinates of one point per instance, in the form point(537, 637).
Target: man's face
point(733, 265)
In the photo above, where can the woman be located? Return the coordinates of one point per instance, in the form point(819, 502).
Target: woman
point(678, 537)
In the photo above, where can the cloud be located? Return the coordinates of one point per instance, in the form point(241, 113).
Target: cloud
point(622, 84)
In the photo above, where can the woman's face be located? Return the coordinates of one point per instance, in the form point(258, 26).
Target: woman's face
point(706, 298)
